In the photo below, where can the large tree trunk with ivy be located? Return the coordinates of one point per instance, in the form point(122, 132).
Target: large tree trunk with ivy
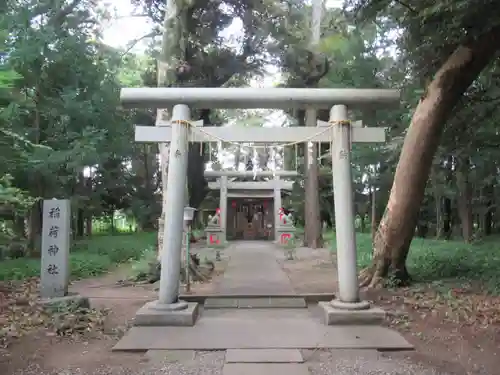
point(197, 183)
point(172, 56)
point(396, 229)
point(313, 236)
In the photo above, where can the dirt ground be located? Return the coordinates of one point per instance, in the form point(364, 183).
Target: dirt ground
point(42, 352)
point(459, 334)
point(441, 342)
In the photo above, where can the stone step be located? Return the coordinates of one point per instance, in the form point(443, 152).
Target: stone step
point(255, 303)
point(264, 356)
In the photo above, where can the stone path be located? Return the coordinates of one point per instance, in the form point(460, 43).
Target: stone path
point(264, 361)
point(253, 269)
point(252, 337)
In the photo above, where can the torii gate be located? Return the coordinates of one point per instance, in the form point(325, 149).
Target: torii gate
point(223, 186)
point(339, 132)
point(276, 185)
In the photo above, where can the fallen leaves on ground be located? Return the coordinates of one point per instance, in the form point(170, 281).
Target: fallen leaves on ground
point(456, 305)
point(21, 313)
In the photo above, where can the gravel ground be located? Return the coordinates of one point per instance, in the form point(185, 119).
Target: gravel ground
point(206, 363)
point(361, 362)
point(203, 363)
point(334, 362)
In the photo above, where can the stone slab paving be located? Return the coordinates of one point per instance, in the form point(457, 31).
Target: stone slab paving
point(261, 341)
point(261, 329)
point(253, 269)
point(265, 369)
point(220, 303)
point(264, 356)
point(255, 303)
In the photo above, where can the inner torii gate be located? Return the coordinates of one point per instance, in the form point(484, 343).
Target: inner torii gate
point(180, 130)
point(223, 185)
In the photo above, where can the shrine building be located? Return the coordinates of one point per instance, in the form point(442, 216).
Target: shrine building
point(249, 205)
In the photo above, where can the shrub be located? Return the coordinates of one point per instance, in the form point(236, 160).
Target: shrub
point(88, 257)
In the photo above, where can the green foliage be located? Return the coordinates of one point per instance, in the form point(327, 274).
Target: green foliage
point(90, 257)
point(63, 133)
point(14, 203)
point(141, 268)
point(453, 262)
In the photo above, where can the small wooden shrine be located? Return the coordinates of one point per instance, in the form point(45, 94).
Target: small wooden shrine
point(251, 206)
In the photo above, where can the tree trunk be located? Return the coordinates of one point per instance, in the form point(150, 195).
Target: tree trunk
point(80, 223)
point(447, 209)
point(439, 215)
point(362, 222)
point(173, 55)
point(313, 236)
point(447, 218)
point(35, 229)
point(396, 229)
point(438, 212)
point(20, 226)
point(489, 199)
point(464, 200)
point(144, 167)
point(488, 218)
point(374, 213)
point(422, 230)
point(88, 212)
point(197, 183)
point(88, 225)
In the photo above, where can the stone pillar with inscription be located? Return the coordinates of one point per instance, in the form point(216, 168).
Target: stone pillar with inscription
point(56, 229)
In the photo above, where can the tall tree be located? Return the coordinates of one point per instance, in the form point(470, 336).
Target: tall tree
point(313, 229)
point(449, 44)
point(66, 101)
point(207, 59)
point(171, 63)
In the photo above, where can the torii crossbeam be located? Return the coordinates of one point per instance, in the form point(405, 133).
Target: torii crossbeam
point(238, 97)
point(269, 135)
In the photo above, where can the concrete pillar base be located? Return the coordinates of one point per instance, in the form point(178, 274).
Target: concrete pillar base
point(341, 313)
point(176, 314)
point(341, 305)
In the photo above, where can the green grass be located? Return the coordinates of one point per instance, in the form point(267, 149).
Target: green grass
point(444, 261)
point(88, 257)
point(429, 260)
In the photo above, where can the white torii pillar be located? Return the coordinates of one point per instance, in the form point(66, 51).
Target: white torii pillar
point(176, 184)
point(347, 308)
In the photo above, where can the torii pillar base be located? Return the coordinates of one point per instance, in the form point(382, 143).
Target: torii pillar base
point(344, 313)
point(180, 314)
